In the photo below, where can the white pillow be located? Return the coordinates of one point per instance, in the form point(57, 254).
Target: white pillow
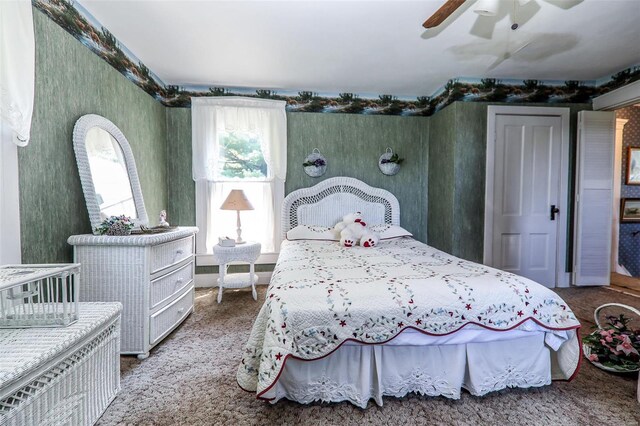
point(388, 232)
point(312, 232)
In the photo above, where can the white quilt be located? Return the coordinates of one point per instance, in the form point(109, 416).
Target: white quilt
point(322, 295)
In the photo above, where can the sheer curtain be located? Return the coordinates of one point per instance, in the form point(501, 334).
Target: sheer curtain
point(17, 86)
point(212, 118)
point(17, 67)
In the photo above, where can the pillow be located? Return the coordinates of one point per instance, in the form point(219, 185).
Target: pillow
point(311, 232)
point(388, 232)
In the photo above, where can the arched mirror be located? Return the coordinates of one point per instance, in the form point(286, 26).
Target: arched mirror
point(107, 171)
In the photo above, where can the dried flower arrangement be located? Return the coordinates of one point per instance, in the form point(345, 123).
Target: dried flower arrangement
point(115, 225)
point(393, 159)
point(318, 162)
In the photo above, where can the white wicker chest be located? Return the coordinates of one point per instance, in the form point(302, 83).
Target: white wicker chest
point(64, 375)
point(150, 274)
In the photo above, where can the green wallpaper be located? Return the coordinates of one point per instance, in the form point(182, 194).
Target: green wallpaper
point(441, 179)
point(180, 186)
point(470, 169)
point(72, 81)
point(352, 145)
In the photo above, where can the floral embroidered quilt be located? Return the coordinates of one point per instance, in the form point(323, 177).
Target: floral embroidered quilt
point(322, 295)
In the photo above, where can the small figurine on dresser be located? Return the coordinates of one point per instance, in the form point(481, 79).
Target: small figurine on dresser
point(163, 219)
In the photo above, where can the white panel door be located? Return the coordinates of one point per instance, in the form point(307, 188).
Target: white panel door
point(526, 189)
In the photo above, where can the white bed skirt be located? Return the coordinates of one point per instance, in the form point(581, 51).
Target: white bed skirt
point(357, 372)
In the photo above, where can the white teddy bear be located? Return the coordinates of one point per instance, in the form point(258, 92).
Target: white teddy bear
point(353, 230)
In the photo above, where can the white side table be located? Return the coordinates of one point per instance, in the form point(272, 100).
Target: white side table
point(247, 252)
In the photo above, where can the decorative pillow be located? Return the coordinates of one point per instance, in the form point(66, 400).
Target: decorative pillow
point(388, 232)
point(312, 232)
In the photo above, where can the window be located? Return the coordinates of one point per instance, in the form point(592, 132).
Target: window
point(238, 143)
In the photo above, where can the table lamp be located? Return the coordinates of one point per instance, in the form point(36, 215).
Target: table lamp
point(237, 200)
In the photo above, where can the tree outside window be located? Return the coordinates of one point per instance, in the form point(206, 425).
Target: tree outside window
point(241, 157)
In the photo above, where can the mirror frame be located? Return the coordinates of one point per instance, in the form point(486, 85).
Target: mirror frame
point(80, 130)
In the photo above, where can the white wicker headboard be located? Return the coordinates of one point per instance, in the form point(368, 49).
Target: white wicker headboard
point(326, 203)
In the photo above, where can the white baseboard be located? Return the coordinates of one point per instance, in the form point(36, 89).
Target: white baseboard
point(211, 280)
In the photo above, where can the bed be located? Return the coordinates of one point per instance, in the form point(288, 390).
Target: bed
point(355, 324)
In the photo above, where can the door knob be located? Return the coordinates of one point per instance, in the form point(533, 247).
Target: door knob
point(554, 211)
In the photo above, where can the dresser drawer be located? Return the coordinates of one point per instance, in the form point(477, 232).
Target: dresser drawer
point(166, 286)
point(165, 320)
point(168, 254)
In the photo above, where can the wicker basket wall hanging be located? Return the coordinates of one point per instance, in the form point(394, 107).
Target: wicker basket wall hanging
point(389, 163)
point(315, 165)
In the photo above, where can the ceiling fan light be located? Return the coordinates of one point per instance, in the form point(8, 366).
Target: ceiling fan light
point(487, 7)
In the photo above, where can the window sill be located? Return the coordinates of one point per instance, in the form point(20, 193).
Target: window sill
point(210, 259)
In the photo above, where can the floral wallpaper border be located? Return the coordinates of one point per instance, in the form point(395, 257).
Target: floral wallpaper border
point(77, 21)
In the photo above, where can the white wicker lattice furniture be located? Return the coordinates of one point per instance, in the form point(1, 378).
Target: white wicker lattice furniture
point(38, 295)
point(80, 130)
point(150, 274)
point(63, 375)
point(249, 253)
point(326, 203)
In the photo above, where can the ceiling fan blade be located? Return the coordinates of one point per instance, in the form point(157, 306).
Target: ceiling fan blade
point(443, 13)
point(484, 26)
point(523, 14)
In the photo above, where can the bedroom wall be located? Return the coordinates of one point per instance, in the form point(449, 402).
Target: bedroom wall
point(629, 244)
point(442, 135)
point(351, 144)
point(458, 227)
point(72, 81)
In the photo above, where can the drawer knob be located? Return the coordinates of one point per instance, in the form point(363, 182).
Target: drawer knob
point(179, 281)
point(179, 251)
point(181, 310)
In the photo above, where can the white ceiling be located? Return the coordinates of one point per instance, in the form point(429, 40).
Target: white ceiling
point(370, 46)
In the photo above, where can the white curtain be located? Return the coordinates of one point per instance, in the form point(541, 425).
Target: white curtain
point(213, 117)
point(17, 82)
point(256, 224)
point(17, 67)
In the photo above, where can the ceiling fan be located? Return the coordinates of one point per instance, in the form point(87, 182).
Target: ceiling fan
point(486, 8)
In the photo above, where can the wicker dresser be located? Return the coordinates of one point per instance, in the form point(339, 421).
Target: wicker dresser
point(61, 375)
point(150, 274)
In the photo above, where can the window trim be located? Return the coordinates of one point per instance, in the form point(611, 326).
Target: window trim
point(10, 244)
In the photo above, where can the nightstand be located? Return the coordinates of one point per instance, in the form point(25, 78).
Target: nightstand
point(247, 253)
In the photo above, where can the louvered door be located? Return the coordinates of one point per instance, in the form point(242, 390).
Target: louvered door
point(594, 197)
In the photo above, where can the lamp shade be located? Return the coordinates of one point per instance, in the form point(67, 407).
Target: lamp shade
point(236, 200)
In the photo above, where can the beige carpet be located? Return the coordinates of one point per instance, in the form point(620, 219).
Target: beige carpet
point(190, 380)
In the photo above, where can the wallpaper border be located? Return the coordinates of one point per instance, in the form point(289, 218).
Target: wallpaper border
point(77, 21)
